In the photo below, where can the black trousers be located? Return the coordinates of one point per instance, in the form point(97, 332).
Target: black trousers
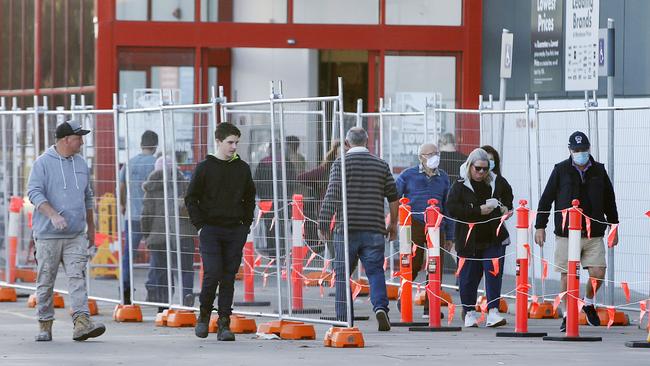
point(221, 253)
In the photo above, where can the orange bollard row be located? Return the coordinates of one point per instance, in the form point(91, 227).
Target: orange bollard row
point(290, 330)
point(521, 306)
point(573, 280)
point(8, 294)
point(59, 303)
point(434, 269)
point(405, 267)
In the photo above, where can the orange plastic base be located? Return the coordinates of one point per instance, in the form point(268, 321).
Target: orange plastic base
point(314, 277)
point(92, 307)
point(7, 294)
point(338, 337)
point(392, 291)
point(161, 318)
point(59, 303)
point(274, 327)
point(503, 304)
point(181, 318)
point(620, 318)
point(25, 275)
point(127, 313)
point(298, 331)
point(420, 298)
point(544, 311)
point(365, 288)
point(238, 324)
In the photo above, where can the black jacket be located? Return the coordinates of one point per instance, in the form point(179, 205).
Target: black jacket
point(464, 205)
point(221, 193)
point(596, 196)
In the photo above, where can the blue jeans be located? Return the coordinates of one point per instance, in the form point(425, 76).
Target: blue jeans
point(368, 246)
point(137, 237)
point(472, 273)
point(156, 284)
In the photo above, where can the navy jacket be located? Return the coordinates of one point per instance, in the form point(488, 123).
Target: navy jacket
point(595, 192)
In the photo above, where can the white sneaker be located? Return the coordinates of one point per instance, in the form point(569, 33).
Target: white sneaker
point(494, 319)
point(471, 321)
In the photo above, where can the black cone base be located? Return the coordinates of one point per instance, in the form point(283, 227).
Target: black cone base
point(573, 339)
point(356, 318)
point(252, 303)
point(521, 334)
point(637, 344)
point(435, 329)
point(409, 324)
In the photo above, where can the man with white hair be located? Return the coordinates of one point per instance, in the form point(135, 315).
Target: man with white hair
point(420, 184)
point(368, 182)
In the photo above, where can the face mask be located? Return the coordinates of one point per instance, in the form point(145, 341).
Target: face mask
point(491, 165)
point(580, 158)
point(433, 162)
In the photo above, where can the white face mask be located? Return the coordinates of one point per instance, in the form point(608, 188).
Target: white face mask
point(433, 162)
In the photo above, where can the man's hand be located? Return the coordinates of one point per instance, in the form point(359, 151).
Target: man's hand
point(58, 222)
point(486, 210)
point(540, 237)
point(323, 236)
point(448, 244)
point(91, 239)
point(392, 231)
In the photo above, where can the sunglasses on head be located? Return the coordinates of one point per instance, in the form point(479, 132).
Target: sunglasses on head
point(481, 168)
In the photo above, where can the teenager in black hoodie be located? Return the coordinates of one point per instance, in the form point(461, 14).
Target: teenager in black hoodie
point(220, 200)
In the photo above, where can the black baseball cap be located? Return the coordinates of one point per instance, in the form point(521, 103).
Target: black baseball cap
point(578, 140)
point(70, 128)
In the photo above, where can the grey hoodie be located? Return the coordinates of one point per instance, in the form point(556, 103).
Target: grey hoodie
point(64, 184)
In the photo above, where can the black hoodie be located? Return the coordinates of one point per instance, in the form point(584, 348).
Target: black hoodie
point(221, 193)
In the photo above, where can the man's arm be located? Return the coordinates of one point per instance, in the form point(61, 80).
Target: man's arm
point(394, 214)
point(36, 193)
point(548, 197)
point(58, 221)
point(193, 196)
point(609, 205)
point(332, 198)
point(390, 192)
point(90, 221)
point(249, 200)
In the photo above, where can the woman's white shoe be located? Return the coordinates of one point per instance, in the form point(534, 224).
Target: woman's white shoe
point(471, 321)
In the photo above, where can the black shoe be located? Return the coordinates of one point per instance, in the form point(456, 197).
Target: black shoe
point(202, 324)
point(563, 325)
point(224, 333)
point(382, 320)
point(592, 315)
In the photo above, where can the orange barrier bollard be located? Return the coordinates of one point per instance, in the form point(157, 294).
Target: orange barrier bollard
point(339, 337)
point(59, 302)
point(420, 298)
point(543, 310)
point(434, 269)
point(181, 318)
point(276, 326)
point(13, 230)
point(161, 318)
point(392, 291)
point(405, 266)
point(213, 326)
point(521, 306)
point(249, 276)
point(8, 294)
point(238, 324)
point(92, 308)
point(127, 313)
point(573, 279)
point(300, 331)
point(503, 304)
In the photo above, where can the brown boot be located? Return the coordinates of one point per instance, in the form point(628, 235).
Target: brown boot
point(45, 333)
point(84, 328)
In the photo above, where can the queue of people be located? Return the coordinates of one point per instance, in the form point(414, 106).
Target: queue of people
point(218, 205)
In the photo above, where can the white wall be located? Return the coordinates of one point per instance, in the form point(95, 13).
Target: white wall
point(424, 12)
point(336, 11)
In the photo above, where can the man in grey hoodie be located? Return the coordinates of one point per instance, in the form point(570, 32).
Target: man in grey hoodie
point(63, 228)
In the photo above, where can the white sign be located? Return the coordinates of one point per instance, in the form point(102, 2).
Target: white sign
point(581, 46)
point(506, 54)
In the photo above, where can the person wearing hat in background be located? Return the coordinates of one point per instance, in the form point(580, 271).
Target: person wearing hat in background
point(140, 166)
point(64, 228)
point(583, 178)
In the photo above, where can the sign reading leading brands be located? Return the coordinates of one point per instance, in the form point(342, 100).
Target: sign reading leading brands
point(581, 47)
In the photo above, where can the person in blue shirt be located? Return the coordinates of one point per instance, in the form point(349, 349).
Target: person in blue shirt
point(140, 166)
point(420, 184)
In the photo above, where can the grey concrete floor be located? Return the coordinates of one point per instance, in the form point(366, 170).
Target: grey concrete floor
point(146, 344)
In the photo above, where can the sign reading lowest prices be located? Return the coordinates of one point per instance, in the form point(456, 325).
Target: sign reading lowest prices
point(581, 45)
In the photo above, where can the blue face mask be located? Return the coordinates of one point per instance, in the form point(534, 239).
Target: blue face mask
point(580, 158)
